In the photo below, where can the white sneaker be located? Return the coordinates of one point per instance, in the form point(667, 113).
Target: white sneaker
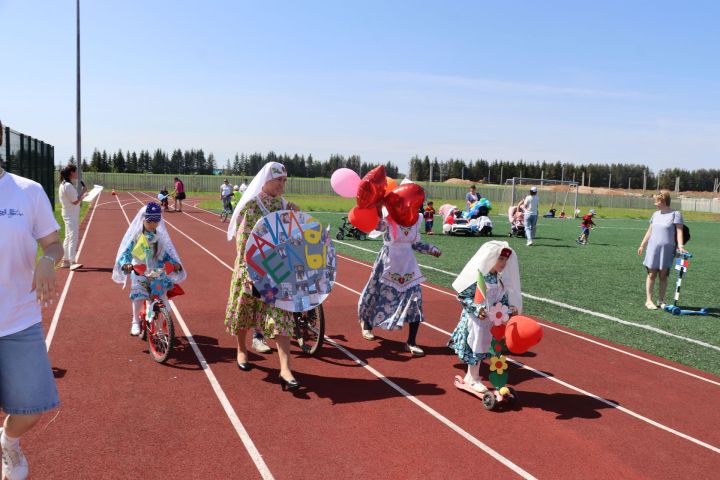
point(529, 242)
point(135, 329)
point(65, 264)
point(259, 345)
point(14, 463)
point(368, 335)
point(476, 385)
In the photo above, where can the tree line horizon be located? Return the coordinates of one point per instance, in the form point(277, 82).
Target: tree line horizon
point(615, 175)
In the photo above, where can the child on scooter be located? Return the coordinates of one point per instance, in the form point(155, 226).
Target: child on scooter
point(495, 269)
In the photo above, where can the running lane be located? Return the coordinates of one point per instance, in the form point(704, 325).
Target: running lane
point(123, 415)
point(554, 422)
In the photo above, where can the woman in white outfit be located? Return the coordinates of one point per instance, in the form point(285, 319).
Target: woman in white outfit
point(70, 201)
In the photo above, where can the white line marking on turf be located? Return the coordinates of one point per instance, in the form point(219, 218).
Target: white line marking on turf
point(669, 367)
point(541, 374)
point(610, 347)
point(219, 392)
point(586, 393)
point(576, 309)
point(68, 281)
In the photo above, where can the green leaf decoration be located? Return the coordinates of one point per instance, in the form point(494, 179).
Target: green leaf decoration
point(498, 381)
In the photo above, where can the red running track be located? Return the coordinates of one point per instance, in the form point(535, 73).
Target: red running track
point(611, 415)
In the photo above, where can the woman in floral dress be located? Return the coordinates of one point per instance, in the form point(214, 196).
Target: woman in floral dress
point(393, 295)
point(246, 311)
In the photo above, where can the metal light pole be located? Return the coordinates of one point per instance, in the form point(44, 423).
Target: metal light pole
point(78, 148)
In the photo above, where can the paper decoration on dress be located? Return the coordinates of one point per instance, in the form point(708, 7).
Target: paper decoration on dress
point(480, 289)
point(291, 260)
point(141, 248)
point(498, 314)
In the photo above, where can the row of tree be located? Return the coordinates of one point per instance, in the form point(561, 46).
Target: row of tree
point(195, 162)
point(614, 175)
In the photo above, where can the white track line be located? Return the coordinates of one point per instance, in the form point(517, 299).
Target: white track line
point(219, 392)
point(520, 364)
point(574, 308)
point(456, 428)
point(610, 347)
point(68, 281)
point(619, 350)
point(585, 392)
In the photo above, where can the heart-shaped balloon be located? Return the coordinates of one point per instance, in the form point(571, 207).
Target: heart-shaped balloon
point(372, 188)
point(404, 202)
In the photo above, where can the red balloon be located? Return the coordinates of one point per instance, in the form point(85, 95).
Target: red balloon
point(450, 219)
point(365, 219)
point(403, 203)
point(372, 188)
point(522, 333)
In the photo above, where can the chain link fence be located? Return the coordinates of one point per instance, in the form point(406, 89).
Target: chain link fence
point(499, 195)
point(30, 158)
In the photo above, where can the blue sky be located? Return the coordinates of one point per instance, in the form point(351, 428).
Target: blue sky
point(571, 81)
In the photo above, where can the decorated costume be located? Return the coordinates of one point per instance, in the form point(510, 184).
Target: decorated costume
point(484, 292)
point(140, 246)
point(244, 310)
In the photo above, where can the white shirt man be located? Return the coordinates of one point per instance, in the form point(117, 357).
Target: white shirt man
point(531, 215)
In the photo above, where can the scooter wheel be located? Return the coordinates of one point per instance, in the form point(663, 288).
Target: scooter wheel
point(489, 400)
point(676, 311)
point(340, 236)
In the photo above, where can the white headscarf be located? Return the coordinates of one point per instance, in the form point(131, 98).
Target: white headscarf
point(270, 171)
point(483, 261)
point(164, 245)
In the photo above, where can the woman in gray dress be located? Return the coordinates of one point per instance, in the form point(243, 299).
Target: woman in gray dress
point(663, 238)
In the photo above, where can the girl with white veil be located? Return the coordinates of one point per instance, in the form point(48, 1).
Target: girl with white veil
point(246, 311)
point(146, 242)
point(495, 265)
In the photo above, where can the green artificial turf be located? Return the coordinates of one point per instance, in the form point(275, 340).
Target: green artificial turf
point(605, 276)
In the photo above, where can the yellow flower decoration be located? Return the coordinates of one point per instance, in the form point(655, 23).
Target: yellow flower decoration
point(498, 364)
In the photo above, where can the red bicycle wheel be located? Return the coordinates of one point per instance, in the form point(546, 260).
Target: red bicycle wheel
point(161, 334)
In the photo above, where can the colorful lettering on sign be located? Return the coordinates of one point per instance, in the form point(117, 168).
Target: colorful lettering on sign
point(276, 271)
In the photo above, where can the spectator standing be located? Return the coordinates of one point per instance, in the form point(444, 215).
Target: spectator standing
point(179, 194)
point(663, 238)
point(70, 202)
point(471, 197)
point(27, 385)
point(531, 215)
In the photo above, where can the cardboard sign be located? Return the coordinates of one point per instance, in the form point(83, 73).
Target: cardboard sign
point(291, 260)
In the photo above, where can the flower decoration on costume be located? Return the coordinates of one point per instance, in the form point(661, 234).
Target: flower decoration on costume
point(499, 314)
point(157, 287)
point(269, 293)
point(498, 364)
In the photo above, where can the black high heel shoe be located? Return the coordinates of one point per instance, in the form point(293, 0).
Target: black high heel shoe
point(245, 367)
point(288, 385)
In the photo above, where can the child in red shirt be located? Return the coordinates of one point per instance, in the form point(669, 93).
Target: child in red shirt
point(586, 225)
point(429, 216)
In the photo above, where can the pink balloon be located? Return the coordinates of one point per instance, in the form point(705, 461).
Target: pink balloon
point(345, 182)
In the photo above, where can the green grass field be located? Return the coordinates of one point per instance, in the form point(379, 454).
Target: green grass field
point(605, 276)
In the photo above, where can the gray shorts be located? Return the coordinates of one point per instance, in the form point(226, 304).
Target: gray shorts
point(27, 385)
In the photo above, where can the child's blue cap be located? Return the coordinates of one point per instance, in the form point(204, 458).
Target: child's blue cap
point(153, 212)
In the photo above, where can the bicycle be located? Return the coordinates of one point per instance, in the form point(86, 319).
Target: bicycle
point(156, 323)
point(227, 209)
point(310, 329)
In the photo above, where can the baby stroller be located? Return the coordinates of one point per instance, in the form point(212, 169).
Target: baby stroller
point(517, 225)
point(347, 229)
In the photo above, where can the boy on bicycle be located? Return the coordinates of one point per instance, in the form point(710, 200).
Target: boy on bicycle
point(146, 244)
